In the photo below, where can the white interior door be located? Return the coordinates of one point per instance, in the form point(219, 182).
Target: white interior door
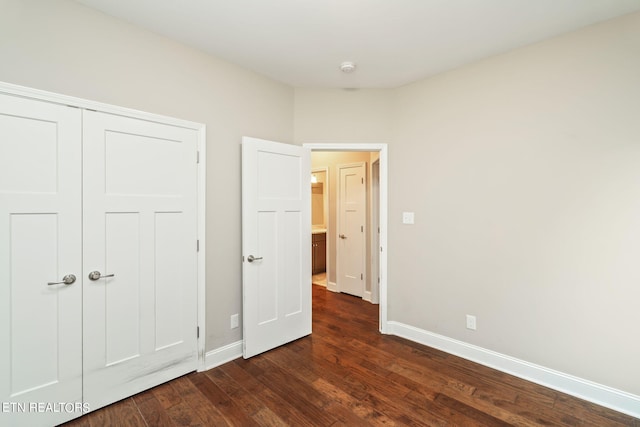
point(351, 249)
point(140, 205)
point(40, 243)
point(276, 244)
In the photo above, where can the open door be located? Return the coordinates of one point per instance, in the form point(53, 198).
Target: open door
point(276, 244)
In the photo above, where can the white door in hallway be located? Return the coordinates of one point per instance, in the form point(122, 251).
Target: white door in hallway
point(352, 211)
point(140, 207)
point(40, 244)
point(276, 244)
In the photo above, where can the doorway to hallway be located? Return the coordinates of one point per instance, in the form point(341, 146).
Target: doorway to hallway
point(372, 273)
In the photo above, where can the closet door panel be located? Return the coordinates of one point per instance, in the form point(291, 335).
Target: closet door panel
point(140, 183)
point(40, 243)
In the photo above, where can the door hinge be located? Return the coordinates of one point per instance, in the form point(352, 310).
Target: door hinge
point(197, 156)
point(197, 331)
point(361, 276)
point(362, 228)
point(378, 280)
point(362, 180)
point(198, 245)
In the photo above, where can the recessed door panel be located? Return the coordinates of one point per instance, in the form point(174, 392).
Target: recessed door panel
point(267, 267)
point(122, 291)
point(292, 224)
point(127, 154)
point(28, 154)
point(277, 176)
point(169, 283)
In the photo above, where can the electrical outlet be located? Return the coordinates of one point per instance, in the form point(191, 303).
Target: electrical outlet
point(471, 322)
point(234, 321)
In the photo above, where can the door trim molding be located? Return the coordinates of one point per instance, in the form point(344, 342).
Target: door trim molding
point(384, 207)
point(71, 101)
point(326, 196)
point(202, 258)
point(374, 210)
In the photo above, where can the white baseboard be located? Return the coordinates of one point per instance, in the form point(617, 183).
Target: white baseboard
point(617, 400)
point(222, 355)
point(331, 286)
point(367, 296)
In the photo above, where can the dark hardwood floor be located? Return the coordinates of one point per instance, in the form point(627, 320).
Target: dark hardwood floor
point(346, 373)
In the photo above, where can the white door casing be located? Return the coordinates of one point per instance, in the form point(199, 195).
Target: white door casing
point(375, 232)
point(40, 242)
point(276, 229)
point(140, 225)
point(351, 241)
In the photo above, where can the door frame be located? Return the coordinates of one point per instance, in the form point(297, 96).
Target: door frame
point(72, 101)
point(383, 214)
point(374, 207)
point(325, 201)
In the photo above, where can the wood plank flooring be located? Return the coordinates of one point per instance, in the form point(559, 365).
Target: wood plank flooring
point(347, 374)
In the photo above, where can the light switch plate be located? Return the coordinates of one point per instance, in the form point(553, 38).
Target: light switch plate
point(408, 217)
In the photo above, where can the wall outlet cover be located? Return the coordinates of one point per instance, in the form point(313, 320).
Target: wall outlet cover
point(471, 322)
point(235, 321)
point(408, 217)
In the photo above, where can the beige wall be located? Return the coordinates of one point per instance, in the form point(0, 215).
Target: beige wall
point(64, 47)
point(340, 115)
point(523, 173)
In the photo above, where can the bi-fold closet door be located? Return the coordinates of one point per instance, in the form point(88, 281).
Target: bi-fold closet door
point(85, 193)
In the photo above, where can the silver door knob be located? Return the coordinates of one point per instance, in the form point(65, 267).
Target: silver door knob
point(95, 275)
point(342, 236)
point(67, 280)
point(251, 258)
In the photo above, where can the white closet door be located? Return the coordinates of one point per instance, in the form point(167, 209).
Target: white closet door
point(140, 223)
point(40, 242)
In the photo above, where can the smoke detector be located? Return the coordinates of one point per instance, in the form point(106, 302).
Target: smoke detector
point(347, 67)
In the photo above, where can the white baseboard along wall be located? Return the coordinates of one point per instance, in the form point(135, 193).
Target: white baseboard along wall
point(617, 400)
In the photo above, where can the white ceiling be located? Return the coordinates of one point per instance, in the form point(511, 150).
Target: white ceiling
point(393, 42)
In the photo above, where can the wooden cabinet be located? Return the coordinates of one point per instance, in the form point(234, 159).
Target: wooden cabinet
point(318, 253)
